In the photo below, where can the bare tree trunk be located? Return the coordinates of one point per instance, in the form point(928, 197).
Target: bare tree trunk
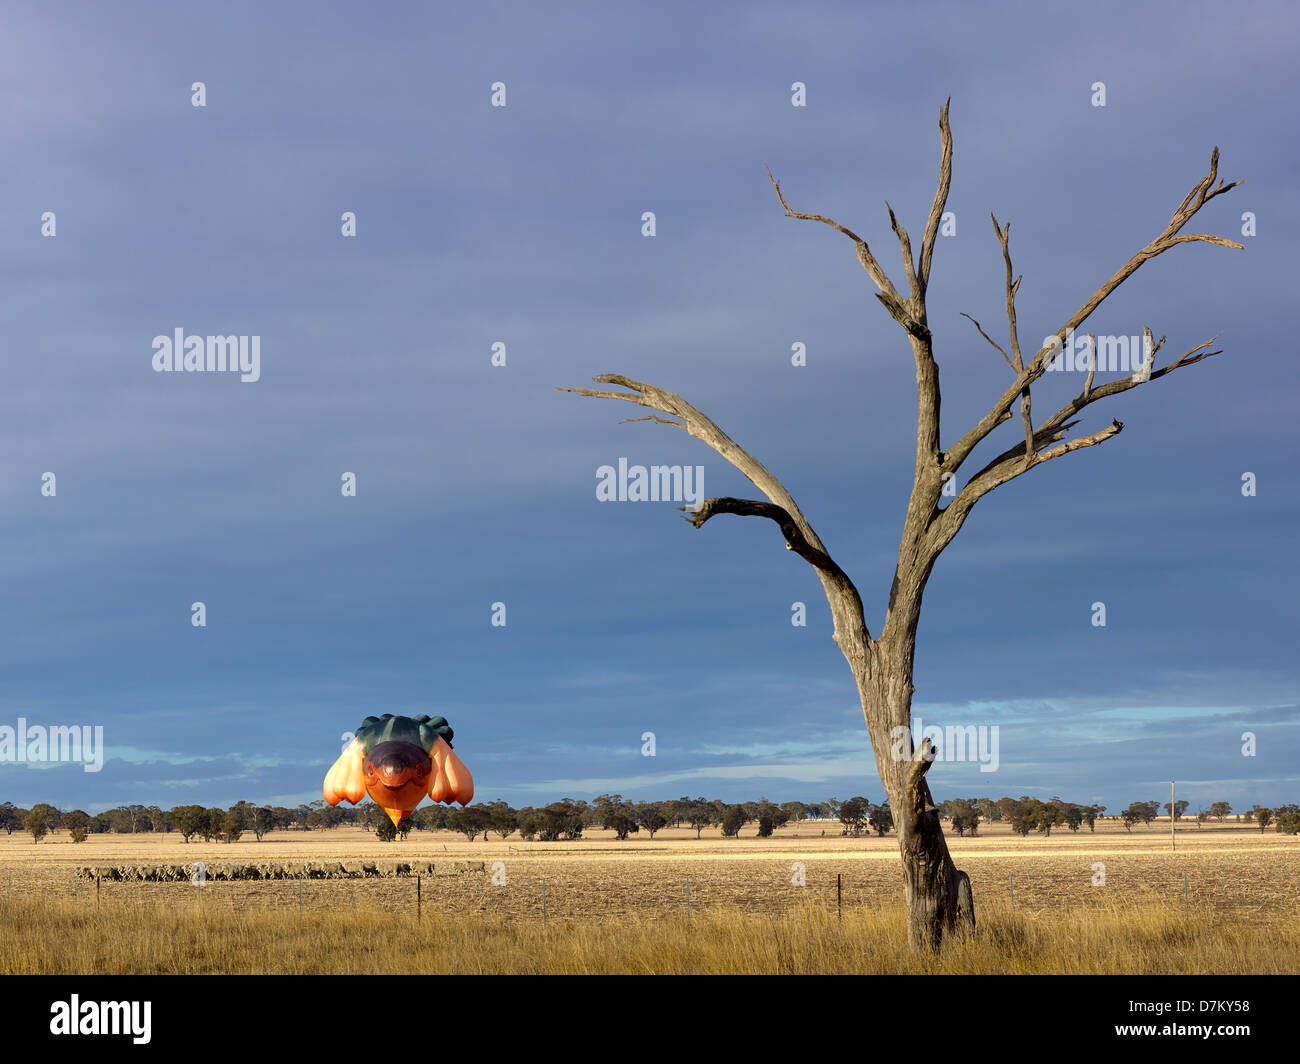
point(937, 894)
point(932, 884)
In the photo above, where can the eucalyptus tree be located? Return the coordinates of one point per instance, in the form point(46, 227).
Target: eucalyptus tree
point(938, 895)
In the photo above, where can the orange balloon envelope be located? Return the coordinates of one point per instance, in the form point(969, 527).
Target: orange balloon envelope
point(397, 761)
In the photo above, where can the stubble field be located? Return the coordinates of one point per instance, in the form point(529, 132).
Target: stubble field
point(664, 904)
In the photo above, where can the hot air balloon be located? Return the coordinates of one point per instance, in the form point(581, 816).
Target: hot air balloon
point(397, 761)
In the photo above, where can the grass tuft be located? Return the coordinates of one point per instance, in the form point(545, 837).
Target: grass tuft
point(68, 936)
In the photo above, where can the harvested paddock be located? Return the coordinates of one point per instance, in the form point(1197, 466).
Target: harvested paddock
point(1108, 901)
point(1231, 870)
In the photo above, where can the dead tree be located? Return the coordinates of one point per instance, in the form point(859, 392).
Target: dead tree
point(938, 895)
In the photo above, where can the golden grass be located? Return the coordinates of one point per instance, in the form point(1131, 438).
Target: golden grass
point(74, 936)
point(620, 906)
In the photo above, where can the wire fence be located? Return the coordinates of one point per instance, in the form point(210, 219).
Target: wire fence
point(547, 892)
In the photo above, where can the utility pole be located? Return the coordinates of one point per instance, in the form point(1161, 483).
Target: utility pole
point(1173, 812)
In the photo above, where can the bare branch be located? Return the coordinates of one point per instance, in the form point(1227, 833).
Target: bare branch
point(648, 417)
point(1012, 462)
point(1011, 455)
point(905, 245)
point(888, 294)
point(911, 315)
point(940, 199)
point(702, 428)
point(1202, 238)
point(1201, 194)
point(1004, 238)
point(1090, 395)
point(1201, 190)
point(1006, 467)
point(846, 604)
point(794, 537)
point(1001, 476)
point(991, 340)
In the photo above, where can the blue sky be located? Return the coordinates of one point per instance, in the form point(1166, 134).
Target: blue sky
point(476, 484)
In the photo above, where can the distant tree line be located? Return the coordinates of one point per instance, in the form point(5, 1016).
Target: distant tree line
point(569, 818)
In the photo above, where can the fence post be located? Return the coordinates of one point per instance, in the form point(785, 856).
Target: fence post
point(688, 899)
point(97, 892)
point(418, 903)
point(839, 896)
point(1187, 901)
point(1013, 889)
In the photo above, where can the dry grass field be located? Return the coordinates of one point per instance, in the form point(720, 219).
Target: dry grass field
point(622, 906)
